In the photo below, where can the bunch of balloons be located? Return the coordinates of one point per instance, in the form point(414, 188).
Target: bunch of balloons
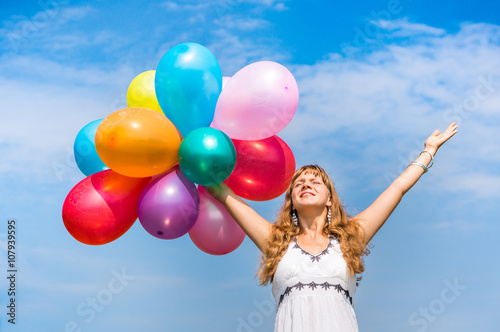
point(183, 128)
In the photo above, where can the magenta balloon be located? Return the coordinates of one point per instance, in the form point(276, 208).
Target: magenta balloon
point(215, 231)
point(257, 102)
point(169, 205)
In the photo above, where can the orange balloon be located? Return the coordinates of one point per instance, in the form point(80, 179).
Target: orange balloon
point(137, 142)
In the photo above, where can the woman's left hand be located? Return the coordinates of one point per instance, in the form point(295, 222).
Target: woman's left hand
point(437, 139)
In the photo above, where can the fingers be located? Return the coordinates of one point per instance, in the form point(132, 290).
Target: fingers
point(437, 139)
point(449, 132)
point(452, 129)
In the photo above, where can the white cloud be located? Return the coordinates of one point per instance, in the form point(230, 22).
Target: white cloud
point(181, 6)
point(280, 7)
point(234, 52)
point(77, 263)
point(402, 27)
point(22, 31)
point(47, 91)
point(41, 121)
point(244, 23)
point(57, 74)
point(381, 103)
point(483, 186)
point(448, 226)
point(223, 8)
point(235, 38)
point(376, 105)
point(268, 3)
point(75, 13)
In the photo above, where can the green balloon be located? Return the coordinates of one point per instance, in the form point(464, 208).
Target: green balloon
point(207, 156)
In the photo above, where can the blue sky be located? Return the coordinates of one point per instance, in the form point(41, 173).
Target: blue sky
point(376, 78)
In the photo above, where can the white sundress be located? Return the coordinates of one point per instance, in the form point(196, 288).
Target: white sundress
point(314, 293)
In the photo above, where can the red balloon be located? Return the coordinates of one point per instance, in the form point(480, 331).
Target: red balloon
point(215, 231)
point(102, 207)
point(264, 168)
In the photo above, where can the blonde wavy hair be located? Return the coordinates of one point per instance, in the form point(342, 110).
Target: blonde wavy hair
point(343, 226)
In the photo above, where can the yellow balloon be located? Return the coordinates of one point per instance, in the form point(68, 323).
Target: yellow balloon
point(138, 142)
point(141, 92)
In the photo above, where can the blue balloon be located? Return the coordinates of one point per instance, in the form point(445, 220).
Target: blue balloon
point(188, 82)
point(86, 156)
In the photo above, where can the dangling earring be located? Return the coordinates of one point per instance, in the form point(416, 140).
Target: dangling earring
point(329, 216)
point(294, 218)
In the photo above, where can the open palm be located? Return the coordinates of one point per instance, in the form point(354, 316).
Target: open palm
point(437, 138)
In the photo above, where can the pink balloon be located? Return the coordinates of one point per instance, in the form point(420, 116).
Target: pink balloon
point(215, 232)
point(257, 102)
point(225, 79)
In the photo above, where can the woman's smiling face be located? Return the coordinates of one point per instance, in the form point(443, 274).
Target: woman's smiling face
point(308, 190)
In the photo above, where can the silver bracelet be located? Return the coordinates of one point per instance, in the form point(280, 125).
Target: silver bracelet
point(419, 164)
point(432, 158)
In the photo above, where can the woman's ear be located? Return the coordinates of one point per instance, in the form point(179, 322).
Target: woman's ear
point(330, 201)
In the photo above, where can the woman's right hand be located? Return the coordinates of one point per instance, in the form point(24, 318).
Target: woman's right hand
point(219, 191)
point(256, 227)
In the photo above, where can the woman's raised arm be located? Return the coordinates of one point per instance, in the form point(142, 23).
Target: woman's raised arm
point(378, 212)
point(256, 227)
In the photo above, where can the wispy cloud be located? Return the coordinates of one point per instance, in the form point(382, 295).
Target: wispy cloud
point(399, 94)
point(268, 3)
point(75, 262)
point(403, 27)
point(56, 73)
point(483, 186)
point(244, 23)
point(234, 52)
point(448, 226)
point(179, 6)
point(404, 90)
point(21, 32)
point(50, 87)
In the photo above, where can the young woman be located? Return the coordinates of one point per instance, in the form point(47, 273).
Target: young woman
point(312, 253)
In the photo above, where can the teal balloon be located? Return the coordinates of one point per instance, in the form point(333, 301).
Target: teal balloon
point(86, 156)
point(188, 82)
point(207, 156)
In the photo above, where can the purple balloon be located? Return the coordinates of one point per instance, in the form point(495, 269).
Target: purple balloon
point(169, 205)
